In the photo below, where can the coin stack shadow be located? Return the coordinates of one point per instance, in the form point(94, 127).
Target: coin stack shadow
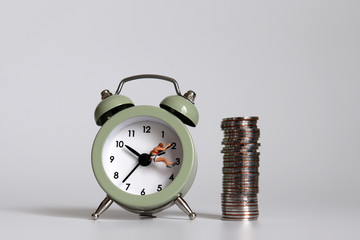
point(240, 168)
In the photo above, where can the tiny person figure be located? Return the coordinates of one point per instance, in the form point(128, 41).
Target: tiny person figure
point(154, 155)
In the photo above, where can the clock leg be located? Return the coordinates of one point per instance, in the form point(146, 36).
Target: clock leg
point(105, 204)
point(180, 202)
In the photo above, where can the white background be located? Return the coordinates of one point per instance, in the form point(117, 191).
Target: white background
point(295, 64)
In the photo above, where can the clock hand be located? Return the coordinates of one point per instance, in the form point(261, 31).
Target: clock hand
point(161, 153)
point(137, 165)
point(133, 150)
point(144, 160)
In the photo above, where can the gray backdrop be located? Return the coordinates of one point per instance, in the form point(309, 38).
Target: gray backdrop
point(295, 64)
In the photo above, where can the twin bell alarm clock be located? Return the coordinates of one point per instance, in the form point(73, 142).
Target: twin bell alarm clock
point(143, 157)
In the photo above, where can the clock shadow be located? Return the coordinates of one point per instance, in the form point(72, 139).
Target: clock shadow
point(179, 215)
point(82, 213)
point(112, 214)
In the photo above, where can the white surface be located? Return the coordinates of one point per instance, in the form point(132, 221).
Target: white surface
point(295, 64)
point(143, 179)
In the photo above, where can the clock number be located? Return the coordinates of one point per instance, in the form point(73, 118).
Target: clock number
point(162, 134)
point(128, 185)
point(116, 175)
point(146, 129)
point(131, 133)
point(173, 145)
point(177, 161)
point(142, 191)
point(159, 187)
point(120, 144)
point(112, 159)
point(171, 177)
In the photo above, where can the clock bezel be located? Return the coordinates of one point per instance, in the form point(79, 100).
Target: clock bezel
point(181, 183)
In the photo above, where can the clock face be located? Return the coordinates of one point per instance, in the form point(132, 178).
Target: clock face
point(131, 161)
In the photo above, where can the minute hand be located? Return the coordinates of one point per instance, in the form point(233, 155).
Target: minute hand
point(131, 172)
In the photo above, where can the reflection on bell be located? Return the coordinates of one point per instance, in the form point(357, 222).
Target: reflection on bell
point(110, 105)
point(183, 107)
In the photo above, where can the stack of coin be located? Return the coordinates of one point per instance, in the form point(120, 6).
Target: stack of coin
point(240, 168)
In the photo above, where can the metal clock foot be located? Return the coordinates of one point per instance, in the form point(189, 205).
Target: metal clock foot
point(105, 204)
point(182, 204)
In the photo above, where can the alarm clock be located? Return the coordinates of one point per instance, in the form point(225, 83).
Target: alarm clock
point(143, 157)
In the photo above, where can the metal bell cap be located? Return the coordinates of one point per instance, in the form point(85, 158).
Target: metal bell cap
point(181, 107)
point(109, 106)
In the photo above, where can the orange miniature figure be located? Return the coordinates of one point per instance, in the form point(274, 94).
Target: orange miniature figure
point(154, 155)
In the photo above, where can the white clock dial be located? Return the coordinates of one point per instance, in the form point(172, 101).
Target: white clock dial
point(133, 174)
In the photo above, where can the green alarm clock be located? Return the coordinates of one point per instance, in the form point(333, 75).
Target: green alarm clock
point(143, 157)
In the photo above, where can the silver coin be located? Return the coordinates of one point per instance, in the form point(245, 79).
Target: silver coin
point(239, 125)
point(242, 204)
point(239, 171)
point(240, 186)
point(240, 210)
point(225, 218)
point(241, 164)
point(250, 118)
point(241, 176)
point(239, 122)
point(240, 156)
point(240, 153)
point(239, 141)
point(236, 161)
point(240, 150)
point(241, 147)
point(251, 168)
point(241, 159)
point(240, 183)
point(241, 191)
point(240, 129)
point(240, 207)
point(238, 204)
point(238, 201)
point(240, 215)
point(229, 158)
point(241, 179)
point(234, 135)
point(240, 134)
point(239, 196)
point(242, 144)
point(227, 125)
point(241, 137)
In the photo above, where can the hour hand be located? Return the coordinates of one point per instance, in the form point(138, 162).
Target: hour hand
point(133, 150)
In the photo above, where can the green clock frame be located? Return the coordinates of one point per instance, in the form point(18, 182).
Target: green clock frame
point(156, 201)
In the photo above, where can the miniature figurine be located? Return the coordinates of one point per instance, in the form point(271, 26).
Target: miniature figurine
point(154, 155)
